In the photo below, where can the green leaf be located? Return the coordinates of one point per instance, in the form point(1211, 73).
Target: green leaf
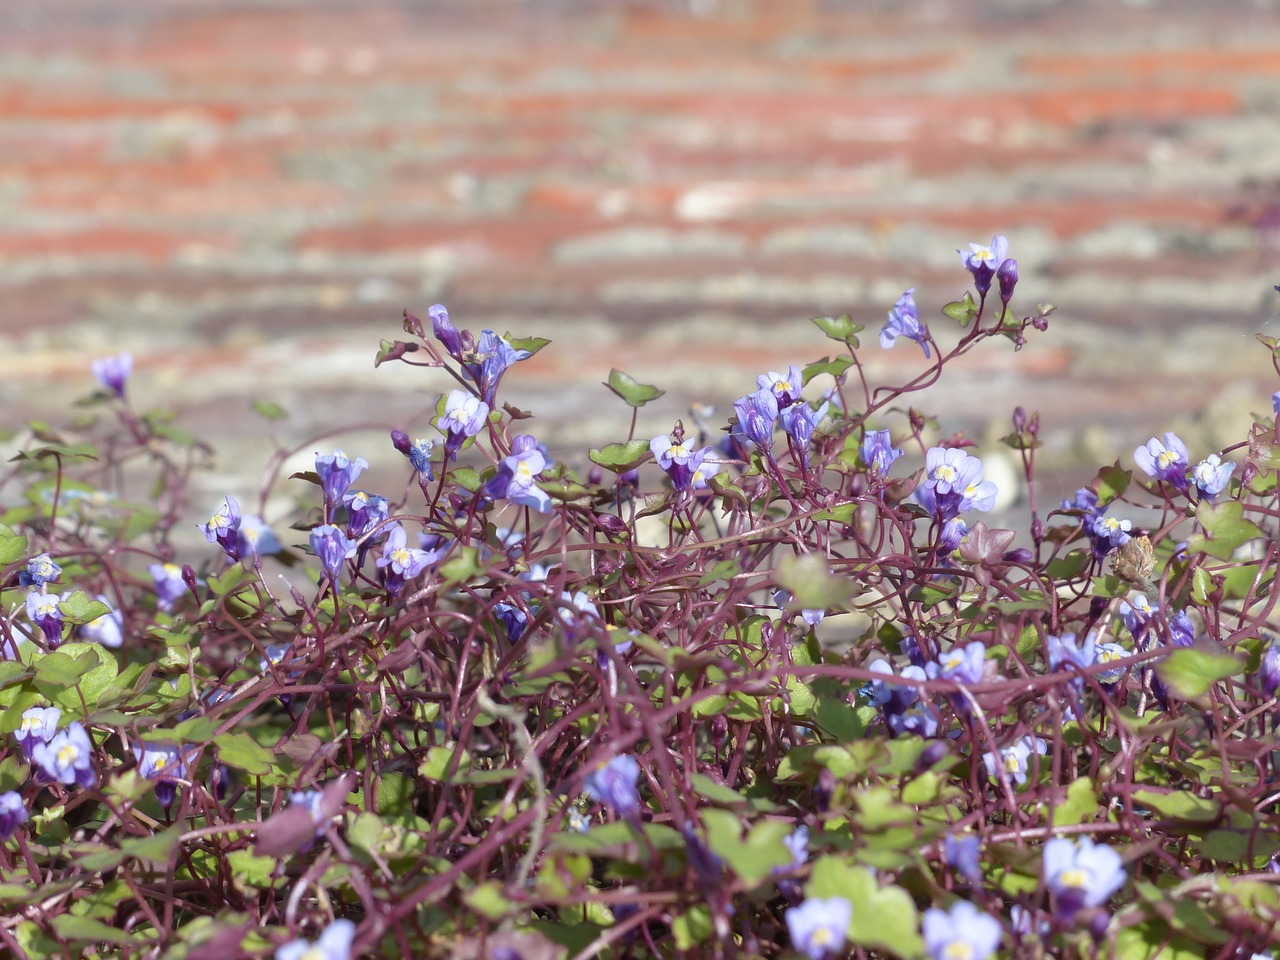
point(882, 918)
point(250, 869)
point(962, 311)
point(1179, 805)
point(464, 565)
point(221, 584)
point(621, 457)
point(1112, 483)
point(634, 393)
point(489, 900)
point(692, 927)
point(95, 681)
point(532, 344)
point(836, 367)
point(394, 793)
point(720, 570)
point(1190, 672)
point(840, 328)
point(80, 608)
point(840, 513)
point(810, 582)
point(1225, 529)
point(704, 786)
point(71, 927)
point(1080, 806)
point(268, 410)
point(241, 751)
point(438, 761)
point(59, 671)
point(12, 546)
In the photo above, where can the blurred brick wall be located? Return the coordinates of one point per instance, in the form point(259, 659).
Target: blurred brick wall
point(246, 195)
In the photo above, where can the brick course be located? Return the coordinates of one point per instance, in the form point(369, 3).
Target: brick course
point(672, 188)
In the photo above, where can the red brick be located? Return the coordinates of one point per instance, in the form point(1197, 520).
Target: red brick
point(1145, 65)
point(154, 246)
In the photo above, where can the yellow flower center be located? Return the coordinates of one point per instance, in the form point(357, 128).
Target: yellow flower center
point(29, 724)
point(1011, 763)
point(983, 254)
point(68, 755)
point(958, 950)
point(1075, 877)
point(1166, 459)
point(161, 761)
point(681, 449)
point(821, 937)
point(945, 472)
point(315, 953)
point(401, 556)
point(172, 570)
point(523, 473)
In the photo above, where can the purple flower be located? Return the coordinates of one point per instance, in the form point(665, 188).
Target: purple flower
point(514, 620)
point(1268, 671)
point(983, 262)
point(334, 943)
point(108, 629)
point(1182, 632)
point(966, 932)
point(1106, 653)
point(400, 561)
point(1013, 759)
point(67, 758)
point(797, 842)
point(952, 532)
point(799, 421)
point(1107, 533)
point(1023, 921)
point(757, 415)
point(1164, 461)
point(163, 764)
point(679, 460)
point(1211, 475)
point(614, 785)
point(960, 664)
point(962, 856)
point(12, 814)
point(1085, 500)
point(465, 415)
point(514, 480)
point(223, 528)
point(1080, 874)
point(919, 718)
point(112, 372)
point(256, 538)
point(337, 472)
point(169, 584)
point(364, 513)
point(1065, 653)
point(445, 331)
point(40, 570)
point(818, 927)
point(785, 388)
point(1275, 403)
point(420, 458)
point(904, 321)
point(953, 483)
point(1137, 616)
point(493, 356)
point(576, 611)
point(44, 612)
point(878, 452)
point(332, 546)
point(39, 725)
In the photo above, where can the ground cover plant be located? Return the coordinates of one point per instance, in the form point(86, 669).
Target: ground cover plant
point(761, 686)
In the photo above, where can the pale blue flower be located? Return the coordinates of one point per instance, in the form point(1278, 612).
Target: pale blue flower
point(334, 944)
point(818, 927)
point(964, 933)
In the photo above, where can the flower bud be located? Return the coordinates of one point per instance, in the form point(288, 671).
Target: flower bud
point(1007, 276)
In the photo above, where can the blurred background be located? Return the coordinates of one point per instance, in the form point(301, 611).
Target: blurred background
point(246, 194)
